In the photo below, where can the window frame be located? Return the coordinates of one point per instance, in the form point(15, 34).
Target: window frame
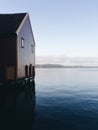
point(22, 42)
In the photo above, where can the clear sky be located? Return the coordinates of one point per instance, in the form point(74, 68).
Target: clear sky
point(61, 27)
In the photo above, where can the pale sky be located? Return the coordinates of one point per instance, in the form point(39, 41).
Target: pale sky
point(61, 27)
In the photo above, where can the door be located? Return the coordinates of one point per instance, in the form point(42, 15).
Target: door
point(10, 72)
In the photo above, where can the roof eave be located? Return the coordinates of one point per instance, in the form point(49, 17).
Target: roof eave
point(7, 34)
point(21, 24)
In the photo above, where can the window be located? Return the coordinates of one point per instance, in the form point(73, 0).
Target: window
point(22, 42)
point(32, 48)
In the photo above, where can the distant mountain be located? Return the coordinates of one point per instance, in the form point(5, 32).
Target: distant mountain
point(49, 66)
point(67, 61)
point(61, 66)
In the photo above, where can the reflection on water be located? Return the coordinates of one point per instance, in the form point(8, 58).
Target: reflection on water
point(66, 99)
point(17, 109)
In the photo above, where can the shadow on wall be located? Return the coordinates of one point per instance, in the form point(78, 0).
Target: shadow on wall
point(17, 109)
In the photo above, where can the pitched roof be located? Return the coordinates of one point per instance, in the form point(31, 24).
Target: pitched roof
point(10, 22)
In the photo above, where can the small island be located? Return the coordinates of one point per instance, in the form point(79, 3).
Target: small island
point(62, 66)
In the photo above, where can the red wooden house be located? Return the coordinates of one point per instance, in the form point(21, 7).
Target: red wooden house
point(17, 47)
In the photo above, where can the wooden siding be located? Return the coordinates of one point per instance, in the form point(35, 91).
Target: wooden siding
point(8, 49)
point(7, 54)
point(25, 56)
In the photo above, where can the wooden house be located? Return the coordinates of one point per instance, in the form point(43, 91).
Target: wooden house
point(17, 47)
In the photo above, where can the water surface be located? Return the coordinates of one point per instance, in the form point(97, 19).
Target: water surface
point(67, 99)
point(60, 99)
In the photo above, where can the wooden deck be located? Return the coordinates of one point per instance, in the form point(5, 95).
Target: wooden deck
point(19, 84)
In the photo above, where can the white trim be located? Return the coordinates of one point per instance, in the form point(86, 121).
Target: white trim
point(31, 29)
point(21, 24)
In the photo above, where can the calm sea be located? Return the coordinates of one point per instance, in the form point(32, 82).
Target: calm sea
point(61, 99)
